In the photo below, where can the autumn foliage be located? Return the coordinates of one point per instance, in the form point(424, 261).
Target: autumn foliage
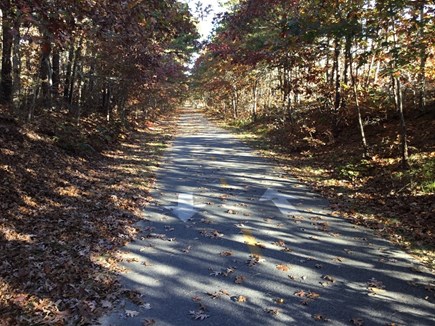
point(345, 89)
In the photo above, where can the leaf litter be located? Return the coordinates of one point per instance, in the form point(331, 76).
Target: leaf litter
point(62, 223)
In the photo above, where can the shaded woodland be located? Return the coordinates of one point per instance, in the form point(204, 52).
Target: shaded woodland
point(94, 57)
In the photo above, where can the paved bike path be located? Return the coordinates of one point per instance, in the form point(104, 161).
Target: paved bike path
point(230, 241)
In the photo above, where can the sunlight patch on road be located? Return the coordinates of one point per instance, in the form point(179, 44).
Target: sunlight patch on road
point(251, 242)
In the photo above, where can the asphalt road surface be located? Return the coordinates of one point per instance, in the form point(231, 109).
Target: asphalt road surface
point(229, 240)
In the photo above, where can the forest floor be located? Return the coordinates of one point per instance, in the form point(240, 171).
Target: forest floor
point(399, 204)
point(69, 197)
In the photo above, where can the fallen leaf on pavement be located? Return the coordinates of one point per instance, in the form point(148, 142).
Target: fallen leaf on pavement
point(283, 268)
point(357, 321)
point(198, 314)
point(131, 313)
point(241, 298)
point(146, 306)
point(320, 317)
point(272, 311)
point(239, 279)
point(300, 293)
point(328, 278)
point(218, 294)
point(374, 283)
point(228, 271)
point(279, 243)
point(149, 322)
point(254, 260)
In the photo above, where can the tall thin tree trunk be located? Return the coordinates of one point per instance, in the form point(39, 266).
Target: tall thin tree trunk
point(255, 99)
point(337, 52)
point(6, 72)
point(68, 72)
point(327, 75)
point(74, 72)
point(16, 61)
point(423, 59)
point(354, 77)
point(398, 99)
point(45, 71)
point(55, 72)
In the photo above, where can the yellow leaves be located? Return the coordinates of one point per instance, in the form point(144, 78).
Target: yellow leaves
point(241, 299)
point(240, 279)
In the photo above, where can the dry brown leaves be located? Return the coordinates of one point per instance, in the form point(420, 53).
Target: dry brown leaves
point(62, 215)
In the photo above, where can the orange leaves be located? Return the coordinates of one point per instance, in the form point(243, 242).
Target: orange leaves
point(307, 297)
point(282, 268)
point(241, 299)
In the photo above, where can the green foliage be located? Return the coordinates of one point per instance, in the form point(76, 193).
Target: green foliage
point(353, 170)
point(425, 175)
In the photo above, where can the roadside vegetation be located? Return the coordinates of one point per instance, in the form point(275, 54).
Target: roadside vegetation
point(342, 95)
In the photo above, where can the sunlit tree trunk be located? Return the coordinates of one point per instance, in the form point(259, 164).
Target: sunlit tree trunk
point(423, 60)
point(254, 99)
point(354, 78)
point(398, 96)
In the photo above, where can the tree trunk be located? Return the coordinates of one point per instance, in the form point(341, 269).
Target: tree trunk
point(235, 103)
point(16, 60)
point(398, 99)
point(255, 100)
point(74, 72)
point(6, 72)
point(55, 72)
point(337, 52)
point(423, 59)
point(45, 71)
point(68, 72)
point(354, 77)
